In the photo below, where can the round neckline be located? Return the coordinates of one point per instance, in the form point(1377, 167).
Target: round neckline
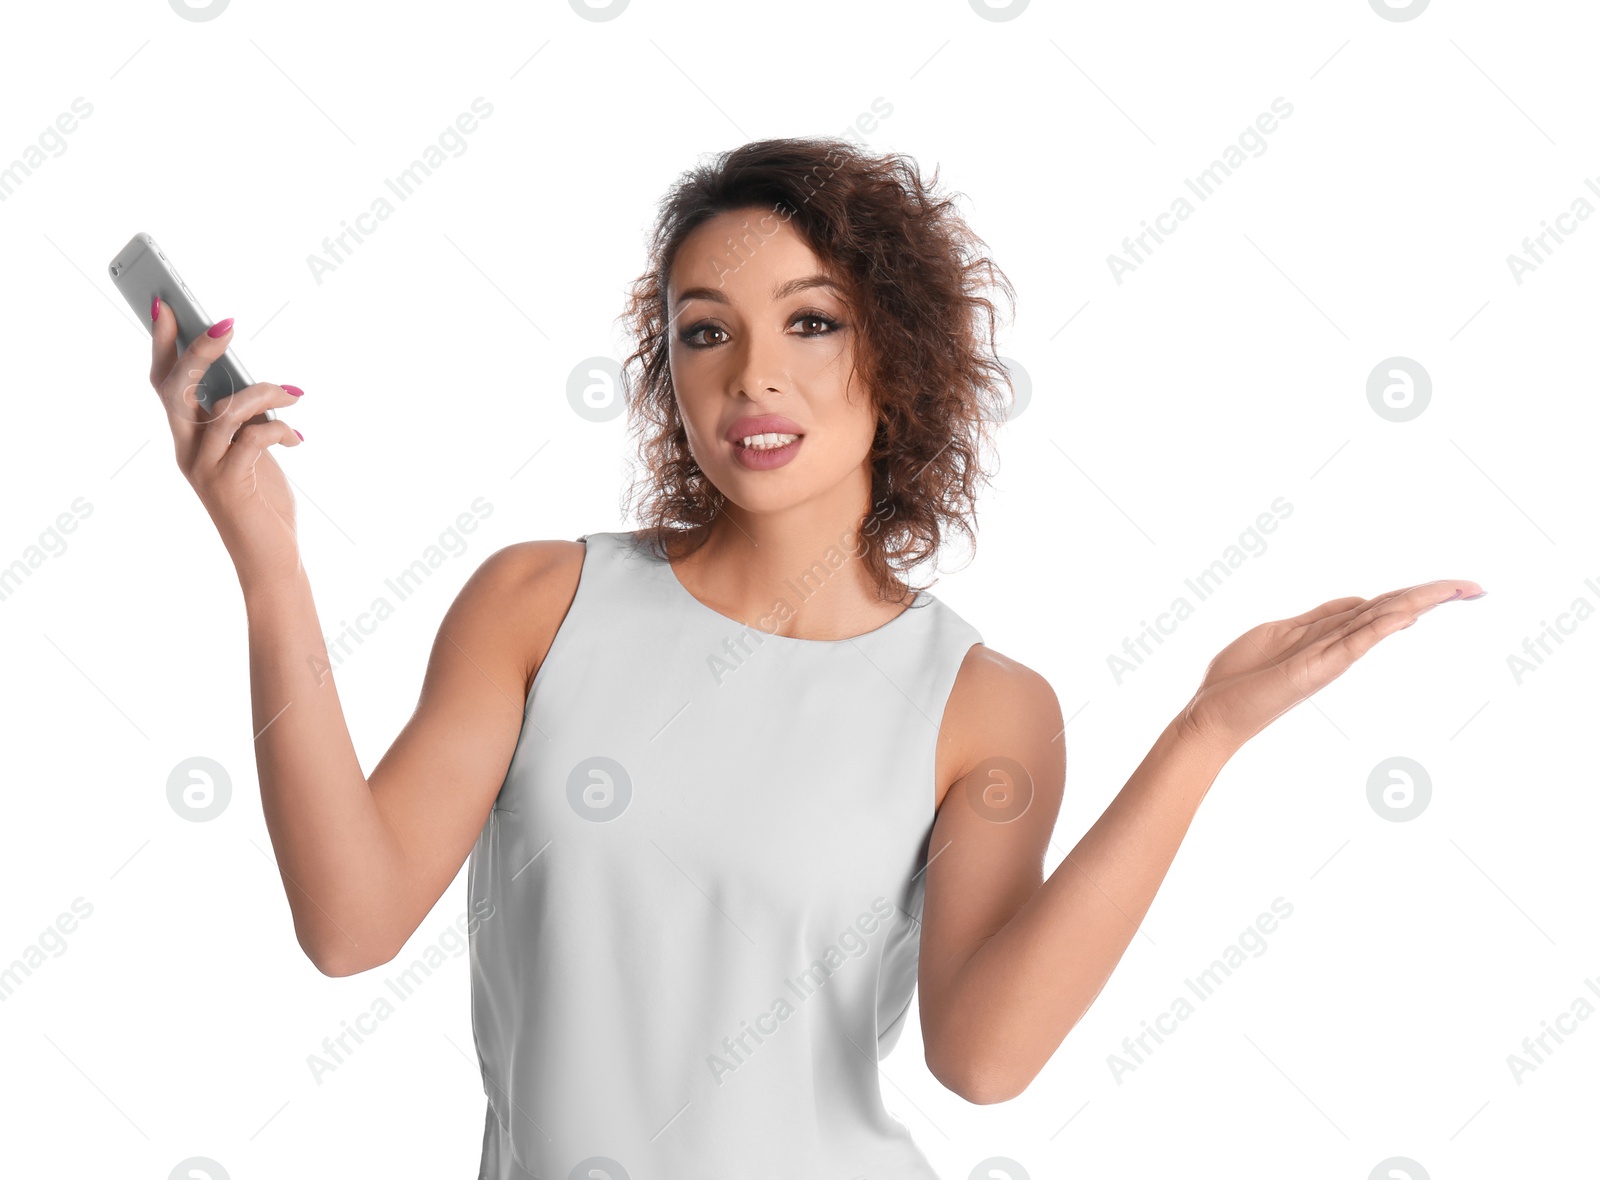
point(920, 602)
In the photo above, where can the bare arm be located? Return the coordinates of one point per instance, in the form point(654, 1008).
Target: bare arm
point(1012, 964)
point(364, 859)
point(1009, 963)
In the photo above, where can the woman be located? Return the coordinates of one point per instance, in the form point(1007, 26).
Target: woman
point(731, 787)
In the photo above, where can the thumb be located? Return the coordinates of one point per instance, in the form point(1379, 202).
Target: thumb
point(163, 341)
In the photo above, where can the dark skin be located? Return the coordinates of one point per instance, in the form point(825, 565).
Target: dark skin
point(1010, 959)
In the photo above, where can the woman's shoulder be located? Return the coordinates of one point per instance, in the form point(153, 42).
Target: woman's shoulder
point(528, 587)
point(527, 563)
point(998, 703)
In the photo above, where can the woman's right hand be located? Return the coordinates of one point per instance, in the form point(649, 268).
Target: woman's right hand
point(224, 456)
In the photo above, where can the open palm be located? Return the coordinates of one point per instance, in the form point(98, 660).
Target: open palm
point(1271, 668)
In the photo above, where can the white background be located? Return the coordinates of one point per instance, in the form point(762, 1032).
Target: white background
point(1167, 412)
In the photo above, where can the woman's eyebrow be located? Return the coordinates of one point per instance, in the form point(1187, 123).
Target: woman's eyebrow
point(782, 291)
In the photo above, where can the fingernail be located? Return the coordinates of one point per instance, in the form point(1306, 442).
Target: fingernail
point(298, 435)
point(1470, 597)
point(155, 309)
point(1454, 596)
point(220, 328)
point(294, 389)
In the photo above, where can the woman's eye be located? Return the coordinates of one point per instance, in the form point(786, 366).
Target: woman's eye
point(695, 337)
point(691, 336)
point(811, 317)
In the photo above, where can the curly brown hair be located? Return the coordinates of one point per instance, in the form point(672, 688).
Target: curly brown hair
point(914, 276)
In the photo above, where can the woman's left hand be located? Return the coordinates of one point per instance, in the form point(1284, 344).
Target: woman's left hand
point(1271, 668)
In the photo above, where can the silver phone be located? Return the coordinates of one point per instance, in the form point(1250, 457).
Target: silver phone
point(143, 273)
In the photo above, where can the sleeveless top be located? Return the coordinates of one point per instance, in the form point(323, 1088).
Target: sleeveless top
point(698, 893)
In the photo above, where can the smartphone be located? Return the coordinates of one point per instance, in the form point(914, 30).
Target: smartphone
point(143, 273)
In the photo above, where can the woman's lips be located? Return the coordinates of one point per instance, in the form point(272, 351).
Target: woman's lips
point(767, 458)
point(741, 428)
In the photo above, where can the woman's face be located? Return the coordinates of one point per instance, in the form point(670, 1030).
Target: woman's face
point(762, 344)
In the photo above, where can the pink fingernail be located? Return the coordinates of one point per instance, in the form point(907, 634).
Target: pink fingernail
point(1470, 597)
point(220, 328)
point(155, 309)
point(294, 389)
point(298, 435)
